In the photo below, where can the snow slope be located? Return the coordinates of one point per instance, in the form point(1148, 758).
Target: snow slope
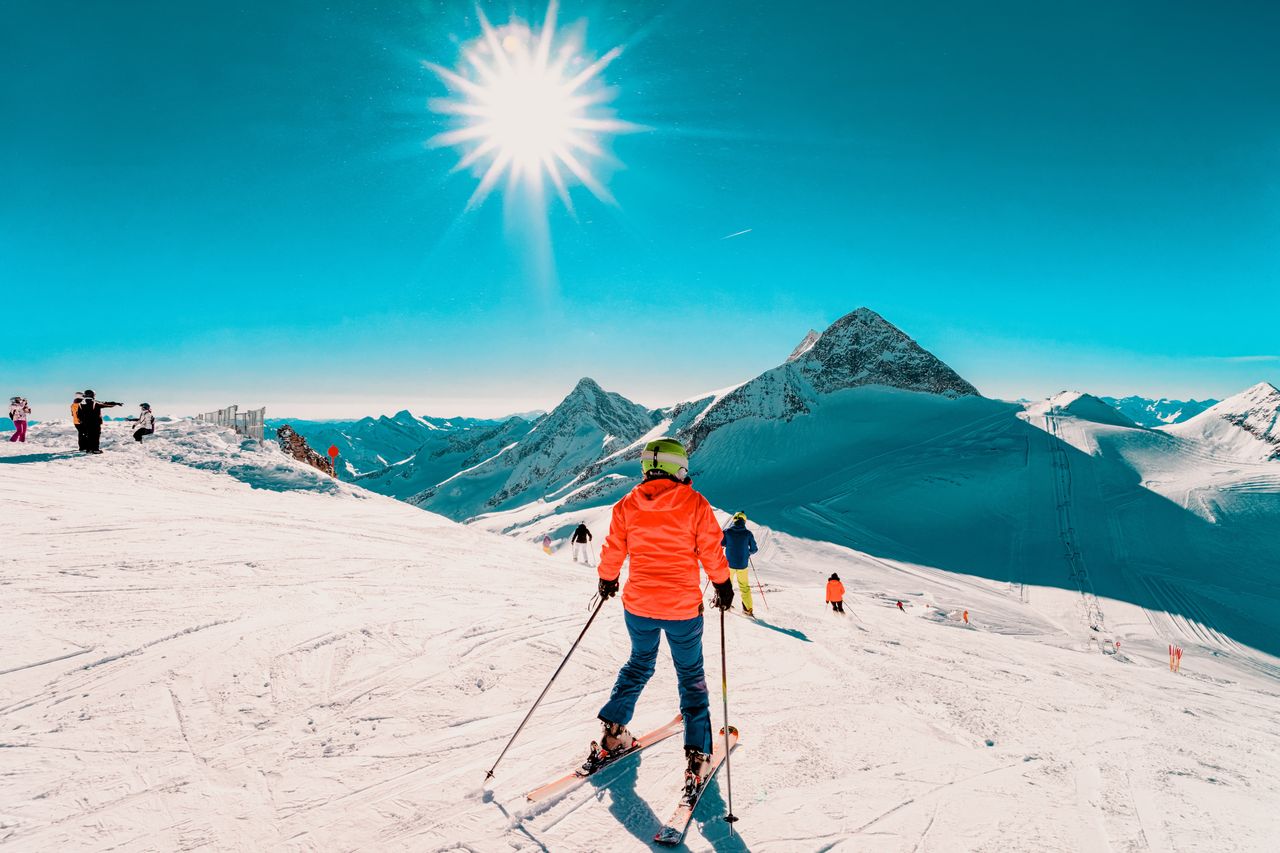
point(201, 656)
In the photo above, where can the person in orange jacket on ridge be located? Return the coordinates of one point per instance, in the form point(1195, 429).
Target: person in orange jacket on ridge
point(667, 529)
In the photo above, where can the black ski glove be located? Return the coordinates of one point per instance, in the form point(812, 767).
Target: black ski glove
point(608, 589)
point(724, 595)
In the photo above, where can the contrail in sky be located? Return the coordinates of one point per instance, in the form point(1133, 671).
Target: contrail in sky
point(736, 234)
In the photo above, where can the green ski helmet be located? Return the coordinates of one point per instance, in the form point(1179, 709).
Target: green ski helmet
point(666, 455)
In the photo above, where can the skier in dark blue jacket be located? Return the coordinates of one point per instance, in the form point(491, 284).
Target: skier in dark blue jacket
point(739, 544)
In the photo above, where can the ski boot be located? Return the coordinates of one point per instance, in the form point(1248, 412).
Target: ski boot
point(749, 611)
point(695, 774)
point(615, 740)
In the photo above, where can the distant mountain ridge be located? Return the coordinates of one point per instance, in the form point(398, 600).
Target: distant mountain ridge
point(811, 413)
point(1153, 413)
point(402, 454)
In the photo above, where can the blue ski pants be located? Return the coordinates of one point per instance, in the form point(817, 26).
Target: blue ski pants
point(684, 638)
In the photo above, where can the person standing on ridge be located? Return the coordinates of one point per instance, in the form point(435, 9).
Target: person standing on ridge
point(146, 423)
point(739, 544)
point(580, 538)
point(19, 411)
point(667, 529)
point(90, 412)
point(835, 593)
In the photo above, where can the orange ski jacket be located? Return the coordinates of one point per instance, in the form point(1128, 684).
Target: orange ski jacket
point(666, 528)
point(835, 591)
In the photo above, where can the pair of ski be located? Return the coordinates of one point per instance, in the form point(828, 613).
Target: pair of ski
point(672, 832)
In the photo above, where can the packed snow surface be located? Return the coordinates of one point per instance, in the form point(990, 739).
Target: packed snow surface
point(210, 645)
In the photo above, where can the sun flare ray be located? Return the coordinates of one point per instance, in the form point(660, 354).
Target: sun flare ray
point(530, 107)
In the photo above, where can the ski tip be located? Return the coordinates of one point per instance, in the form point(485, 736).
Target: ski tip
point(733, 730)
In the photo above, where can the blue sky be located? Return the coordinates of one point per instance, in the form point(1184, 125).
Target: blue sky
point(207, 203)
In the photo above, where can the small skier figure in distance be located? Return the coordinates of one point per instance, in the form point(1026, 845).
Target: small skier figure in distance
point(835, 593)
point(146, 422)
point(667, 529)
point(19, 411)
point(580, 538)
point(900, 607)
point(739, 544)
point(546, 544)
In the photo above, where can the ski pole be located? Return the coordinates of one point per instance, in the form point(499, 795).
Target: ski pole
point(759, 585)
point(489, 775)
point(730, 818)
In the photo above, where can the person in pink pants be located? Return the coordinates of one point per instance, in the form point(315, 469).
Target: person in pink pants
point(18, 412)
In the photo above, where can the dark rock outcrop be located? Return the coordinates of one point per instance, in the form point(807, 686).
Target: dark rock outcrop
point(297, 447)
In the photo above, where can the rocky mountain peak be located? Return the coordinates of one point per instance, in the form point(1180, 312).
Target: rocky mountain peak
point(863, 348)
point(586, 387)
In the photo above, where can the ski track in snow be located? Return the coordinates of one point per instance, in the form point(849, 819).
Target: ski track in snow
point(315, 669)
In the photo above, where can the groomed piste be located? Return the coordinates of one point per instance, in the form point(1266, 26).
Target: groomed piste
point(208, 645)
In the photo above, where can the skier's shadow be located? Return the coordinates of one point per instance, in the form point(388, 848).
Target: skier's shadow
point(35, 457)
point(710, 819)
point(631, 811)
point(790, 632)
point(626, 804)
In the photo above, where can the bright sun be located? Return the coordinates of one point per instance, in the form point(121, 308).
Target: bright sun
point(528, 108)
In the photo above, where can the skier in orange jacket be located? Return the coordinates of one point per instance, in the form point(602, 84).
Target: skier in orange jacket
point(667, 529)
point(835, 593)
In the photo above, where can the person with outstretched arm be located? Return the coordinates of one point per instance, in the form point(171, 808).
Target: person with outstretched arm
point(739, 544)
point(666, 529)
point(90, 412)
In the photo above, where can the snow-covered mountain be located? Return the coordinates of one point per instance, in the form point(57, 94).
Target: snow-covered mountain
point(444, 454)
point(210, 645)
point(1080, 405)
point(583, 453)
point(860, 349)
point(405, 453)
point(1152, 413)
point(589, 423)
point(1245, 426)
